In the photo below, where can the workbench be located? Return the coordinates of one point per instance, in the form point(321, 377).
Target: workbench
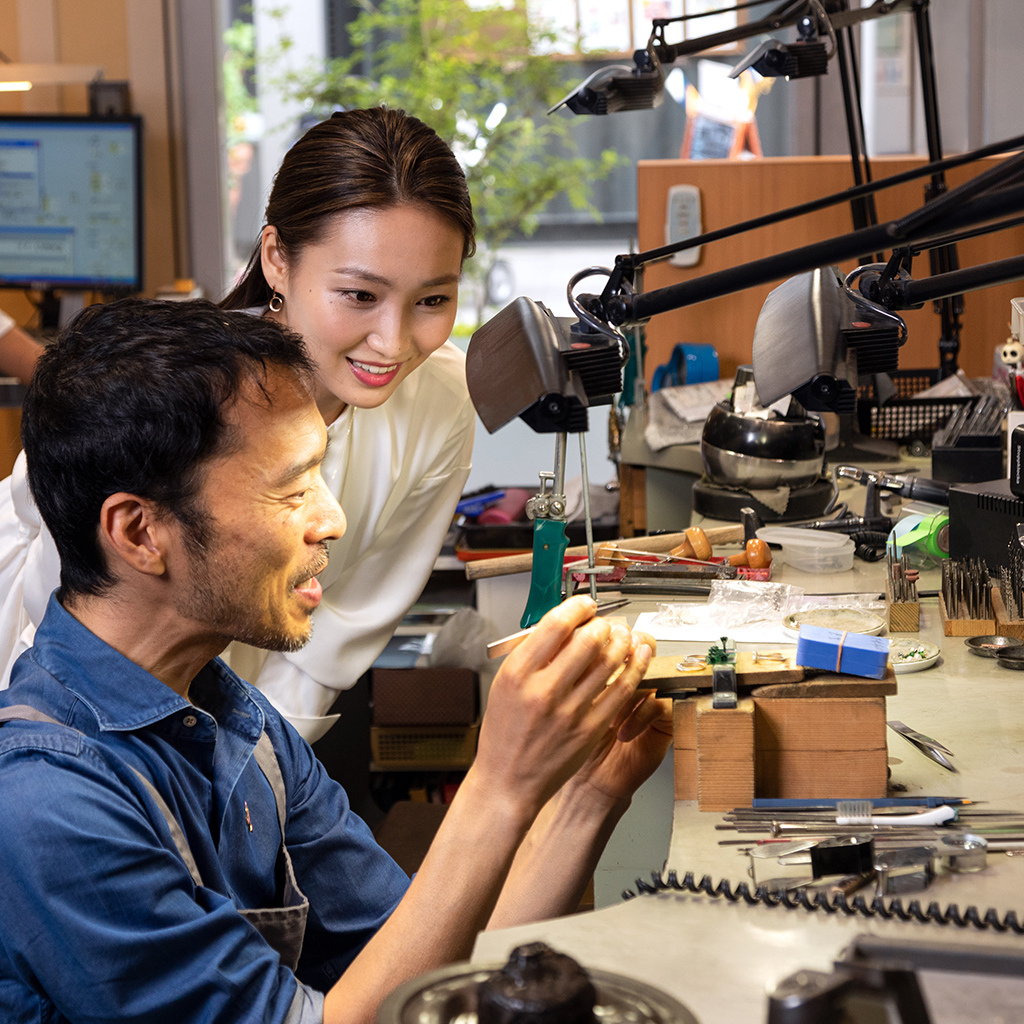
point(719, 958)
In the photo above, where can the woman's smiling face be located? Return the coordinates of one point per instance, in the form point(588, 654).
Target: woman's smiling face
point(372, 299)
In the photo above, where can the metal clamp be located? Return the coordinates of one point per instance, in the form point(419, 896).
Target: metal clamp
point(723, 686)
point(546, 504)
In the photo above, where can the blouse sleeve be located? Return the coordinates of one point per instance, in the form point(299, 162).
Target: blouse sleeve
point(363, 604)
point(29, 568)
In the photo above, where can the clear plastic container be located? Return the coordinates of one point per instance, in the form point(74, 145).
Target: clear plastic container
point(816, 551)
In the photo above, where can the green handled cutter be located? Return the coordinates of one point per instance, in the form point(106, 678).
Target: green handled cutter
point(548, 371)
point(547, 510)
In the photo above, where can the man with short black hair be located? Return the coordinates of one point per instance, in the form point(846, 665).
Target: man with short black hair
point(170, 848)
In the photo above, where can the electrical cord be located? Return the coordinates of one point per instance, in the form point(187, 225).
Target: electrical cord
point(870, 545)
point(839, 903)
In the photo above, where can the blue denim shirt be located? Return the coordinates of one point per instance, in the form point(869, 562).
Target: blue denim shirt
point(99, 917)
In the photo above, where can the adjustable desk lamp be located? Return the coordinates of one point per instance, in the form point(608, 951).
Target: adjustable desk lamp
point(547, 370)
point(623, 88)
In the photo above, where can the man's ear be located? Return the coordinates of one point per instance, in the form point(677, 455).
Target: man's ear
point(132, 531)
point(275, 269)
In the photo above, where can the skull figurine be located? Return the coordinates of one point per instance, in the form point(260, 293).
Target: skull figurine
point(1012, 354)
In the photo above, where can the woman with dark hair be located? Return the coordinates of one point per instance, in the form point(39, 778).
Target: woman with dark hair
point(367, 226)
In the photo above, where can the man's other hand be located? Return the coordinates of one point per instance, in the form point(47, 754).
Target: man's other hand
point(558, 697)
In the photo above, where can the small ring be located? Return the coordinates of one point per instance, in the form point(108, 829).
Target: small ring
point(772, 656)
point(692, 663)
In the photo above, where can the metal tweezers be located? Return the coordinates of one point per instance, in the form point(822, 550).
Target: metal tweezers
point(929, 747)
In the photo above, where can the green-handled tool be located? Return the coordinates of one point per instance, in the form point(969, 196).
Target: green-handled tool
point(547, 510)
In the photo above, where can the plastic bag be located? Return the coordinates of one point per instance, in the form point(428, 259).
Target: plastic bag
point(737, 602)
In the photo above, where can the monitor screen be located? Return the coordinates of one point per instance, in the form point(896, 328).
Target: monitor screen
point(71, 202)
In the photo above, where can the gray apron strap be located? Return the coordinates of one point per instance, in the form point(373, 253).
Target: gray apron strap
point(23, 712)
point(283, 928)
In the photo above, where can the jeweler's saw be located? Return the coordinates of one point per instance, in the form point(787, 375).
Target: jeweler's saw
point(548, 371)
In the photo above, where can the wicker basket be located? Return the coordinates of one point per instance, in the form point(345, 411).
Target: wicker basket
point(423, 746)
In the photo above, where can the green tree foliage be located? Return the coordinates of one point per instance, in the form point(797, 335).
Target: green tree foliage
point(483, 78)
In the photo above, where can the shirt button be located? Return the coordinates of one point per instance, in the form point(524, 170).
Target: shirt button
point(189, 720)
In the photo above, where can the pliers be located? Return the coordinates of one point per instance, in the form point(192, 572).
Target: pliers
point(929, 747)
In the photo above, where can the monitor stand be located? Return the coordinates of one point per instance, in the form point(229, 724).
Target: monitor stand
point(56, 310)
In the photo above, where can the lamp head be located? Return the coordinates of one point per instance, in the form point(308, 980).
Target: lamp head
point(547, 370)
point(619, 87)
point(775, 59)
point(815, 338)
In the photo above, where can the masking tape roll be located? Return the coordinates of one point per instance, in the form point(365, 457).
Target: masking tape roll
point(926, 533)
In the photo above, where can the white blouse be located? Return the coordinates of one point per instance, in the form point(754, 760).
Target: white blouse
point(398, 472)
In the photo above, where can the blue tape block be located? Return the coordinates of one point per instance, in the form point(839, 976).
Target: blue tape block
point(862, 655)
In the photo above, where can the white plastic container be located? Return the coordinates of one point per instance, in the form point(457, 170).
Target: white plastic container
point(817, 551)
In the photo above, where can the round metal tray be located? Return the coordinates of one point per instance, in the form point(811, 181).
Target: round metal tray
point(1013, 657)
point(992, 646)
point(448, 996)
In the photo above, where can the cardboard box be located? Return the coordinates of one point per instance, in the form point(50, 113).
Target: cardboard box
point(424, 696)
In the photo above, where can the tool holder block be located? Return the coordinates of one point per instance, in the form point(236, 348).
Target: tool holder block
point(964, 627)
point(902, 616)
point(1005, 626)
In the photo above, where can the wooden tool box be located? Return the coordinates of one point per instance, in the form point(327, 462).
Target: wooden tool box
point(814, 736)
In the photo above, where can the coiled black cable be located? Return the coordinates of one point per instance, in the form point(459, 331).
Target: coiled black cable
point(870, 545)
point(839, 903)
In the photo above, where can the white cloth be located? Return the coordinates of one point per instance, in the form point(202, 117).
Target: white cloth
point(398, 472)
point(6, 322)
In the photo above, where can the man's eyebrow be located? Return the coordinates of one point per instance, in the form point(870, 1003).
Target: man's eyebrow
point(297, 470)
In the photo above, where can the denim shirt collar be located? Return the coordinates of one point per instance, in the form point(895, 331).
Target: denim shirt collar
point(88, 666)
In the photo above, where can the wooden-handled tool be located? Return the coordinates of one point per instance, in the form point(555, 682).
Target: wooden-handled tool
point(662, 543)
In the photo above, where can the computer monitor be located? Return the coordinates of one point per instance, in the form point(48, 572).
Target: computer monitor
point(70, 203)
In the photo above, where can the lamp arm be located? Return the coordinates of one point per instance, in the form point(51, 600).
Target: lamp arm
point(911, 294)
point(634, 261)
point(624, 309)
point(785, 15)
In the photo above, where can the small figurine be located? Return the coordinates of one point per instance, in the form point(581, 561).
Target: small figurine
point(1012, 354)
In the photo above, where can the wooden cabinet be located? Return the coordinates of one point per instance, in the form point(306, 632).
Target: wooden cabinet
point(736, 190)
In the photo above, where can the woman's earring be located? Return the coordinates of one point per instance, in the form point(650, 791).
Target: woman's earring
point(276, 302)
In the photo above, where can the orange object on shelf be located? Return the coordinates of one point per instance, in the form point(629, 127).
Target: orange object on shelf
point(699, 541)
point(758, 553)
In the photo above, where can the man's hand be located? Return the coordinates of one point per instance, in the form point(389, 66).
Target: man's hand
point(633, 747)
point(555, 699)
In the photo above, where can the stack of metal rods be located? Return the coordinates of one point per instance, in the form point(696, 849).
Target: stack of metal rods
point(965, 589)
point(1011, 581)
point(1001, 829)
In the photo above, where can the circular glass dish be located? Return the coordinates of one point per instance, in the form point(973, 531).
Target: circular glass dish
point(992, 646)
point(848, 620)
